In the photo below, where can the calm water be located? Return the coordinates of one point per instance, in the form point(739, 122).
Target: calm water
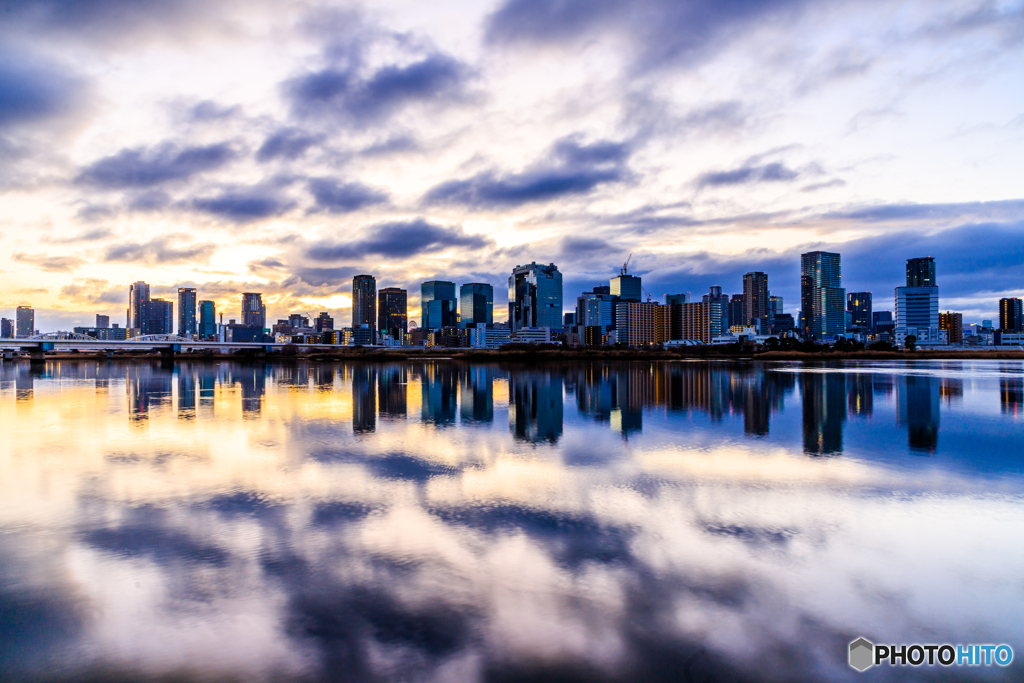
point(434, 521)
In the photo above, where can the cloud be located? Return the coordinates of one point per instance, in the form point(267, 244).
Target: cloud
point(208, 110)
point(400, 239)
point(320, 277)
point(773, 172)
point(287, 143)
point(94, 235)
point(661, 32)
point(51, 264)
point(139, 167)
point(33, 89)
point(94, 291)
point(1007, 209)
point(244, 205)
point(334, 197)
point(341, 92)
point(814, 187)
point(577, 169)
point(163, 250)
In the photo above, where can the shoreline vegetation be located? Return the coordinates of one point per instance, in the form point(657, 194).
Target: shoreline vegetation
point(526, 353)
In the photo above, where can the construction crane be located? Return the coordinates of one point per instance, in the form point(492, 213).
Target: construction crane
point(647, 293)
point(625, 265)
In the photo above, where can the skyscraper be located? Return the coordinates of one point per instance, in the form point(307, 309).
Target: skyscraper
point(755, 297)
point(476, 304)
point(159, 317)
point(859, 306)
point(734, 313)
point(1011, 315)
point(438, 315)
point(535, 297)
point(138, 297)
point(364, 304)
point(917, 307)
point(953, 324)
point(921, 272)
point(626, 287)
point(774, 306)
point(26, 321)
point(822, 297)
point(715, 296)
point(254, 313)
point(207, 319)
point(323, 323)
point(6, 328)
point(187, 312)
point(392, 312)
point(102, 322)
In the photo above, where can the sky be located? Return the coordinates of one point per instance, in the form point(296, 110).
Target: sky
point(283, 147)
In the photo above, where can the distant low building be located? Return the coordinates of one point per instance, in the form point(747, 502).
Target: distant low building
point(482, 337)
point(953, 324)
point(533, 335)
point(114, 333)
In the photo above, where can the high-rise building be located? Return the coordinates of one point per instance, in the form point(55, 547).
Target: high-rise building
point(822, 297)
point(917, 307)
point(254, 313)
point(921, 272)
point(476, 304)
point(392, 312)
point(699, 321)
point(6, 328)
point(102, 321)
point(596, 309)
point(626, 287)
point(755, 297)
point(207, 319)
point(953, 324)
point(676, 299)
point(364, 304)
point(1011, 315)
point(636, 322)
point(535, 297)
point(774, 306)
point(439, 315)
point(715, 296)
point(138, 297)
point(26, 321)
point(858, 305)
point(187, 327)
point(324, 322)
point(159, 317)
point(736, 312)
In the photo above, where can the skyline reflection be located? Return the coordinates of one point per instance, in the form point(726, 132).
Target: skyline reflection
point(440, 521)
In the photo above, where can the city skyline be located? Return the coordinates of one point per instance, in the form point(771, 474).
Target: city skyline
point(284, 148)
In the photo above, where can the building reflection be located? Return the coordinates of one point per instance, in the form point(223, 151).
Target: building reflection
point(824, 407)
point(440, 389)
point(186, 393)
point(861, 396)
point(148, 387)
point(535, 405)
point(24, 383)
point(917, 409)
point(476, 393)
point(364, 399)
point(392, 388)
point(1011, 396)
point(253, 382)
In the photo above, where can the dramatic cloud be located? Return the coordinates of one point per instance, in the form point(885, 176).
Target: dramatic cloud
point(51, 264)
point(94, 235)
point(164, 250)
point(341, 92)
point(33, 89)
point(287, 143)
point(577, 169)
point(94, 292)
point(334, 197)
point(661, 31)
point(137, 168)
point(397, 240)
point(244, 205)
point(773, 172)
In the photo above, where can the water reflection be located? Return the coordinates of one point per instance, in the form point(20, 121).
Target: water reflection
point(604, 521)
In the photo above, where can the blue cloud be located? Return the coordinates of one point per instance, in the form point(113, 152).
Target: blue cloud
point(34, 90)
point(773, 172)
point(341, 92)
point(399, 239)
point(287, 143)
point(334, 197)
point(244, 205)
point(577, 169)
point(139, 167)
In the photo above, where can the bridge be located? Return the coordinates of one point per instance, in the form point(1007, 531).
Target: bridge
point(168, 345)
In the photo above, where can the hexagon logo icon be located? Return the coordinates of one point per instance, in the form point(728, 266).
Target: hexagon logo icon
point(862, 654)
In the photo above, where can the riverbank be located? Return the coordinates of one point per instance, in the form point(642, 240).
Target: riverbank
point(546, 354)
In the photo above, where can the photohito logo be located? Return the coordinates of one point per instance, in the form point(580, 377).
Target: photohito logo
point(864, 654)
